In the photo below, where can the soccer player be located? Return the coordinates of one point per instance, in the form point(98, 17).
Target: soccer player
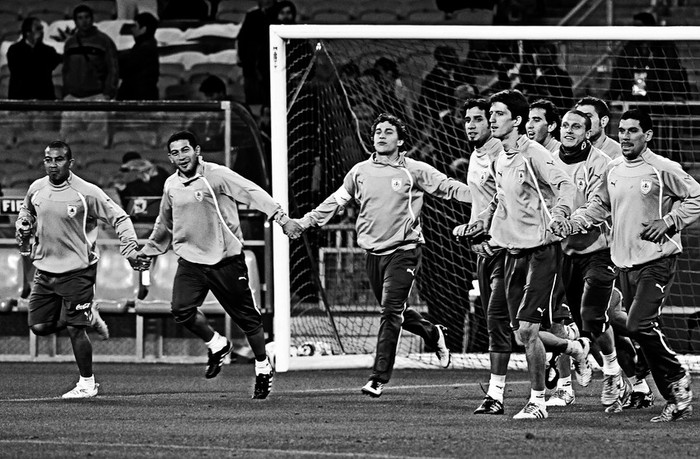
point(650, 199)
point(60, 216)
point(598, 112)
point(588, 272)
point(532, 194)
point(389, 189)
point(543, 124)
point(199, 216)
point(489, 263)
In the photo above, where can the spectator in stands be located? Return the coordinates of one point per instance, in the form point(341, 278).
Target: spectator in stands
point(139, 67)
point(90, 68)
point(199, 218)
point(648, 70)
point(438, 89)
point(552, 82)
point(139, 177)
point(60, 214)
point(253, 53)
point(31, 64)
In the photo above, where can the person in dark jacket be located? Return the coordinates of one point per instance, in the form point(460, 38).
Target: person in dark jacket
point(139, 67)
point(31, 63)
point(253, 52)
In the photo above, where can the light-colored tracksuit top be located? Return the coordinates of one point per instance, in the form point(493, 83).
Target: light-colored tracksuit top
point(637, 191)
point(481, 176)
point(530, 191)
point(199, 215)
point(587, 176)
point(609, 147)
point(390, 197)
point(66, 218)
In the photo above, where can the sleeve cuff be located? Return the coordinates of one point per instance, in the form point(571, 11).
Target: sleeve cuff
point(669, 221)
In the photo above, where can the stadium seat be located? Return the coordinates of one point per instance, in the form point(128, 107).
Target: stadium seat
point(376, 15)
point(186, 58)
point(50, 14)
point(331, 15)
point(425, 16)
point(117, 283)
point(12, 278)
point(22, 180)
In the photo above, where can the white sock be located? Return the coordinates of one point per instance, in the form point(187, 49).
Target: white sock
point(610, 365)
point(217, 342)
point(87, 381)
point(640, 385)
point(537, 396)
point(497, 385)
point(565, 384)
point(263, 368)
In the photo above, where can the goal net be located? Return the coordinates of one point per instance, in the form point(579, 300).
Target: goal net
point(330, 82)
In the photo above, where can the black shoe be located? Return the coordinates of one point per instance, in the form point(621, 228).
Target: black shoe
point(263, 385)
point(639, 400)
point(490, 406)
point(215, 360)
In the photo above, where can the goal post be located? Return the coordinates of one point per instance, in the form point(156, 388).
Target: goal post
point(326, 88)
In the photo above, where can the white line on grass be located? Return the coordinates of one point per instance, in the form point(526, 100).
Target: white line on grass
point(271, 451)
point(299, 391)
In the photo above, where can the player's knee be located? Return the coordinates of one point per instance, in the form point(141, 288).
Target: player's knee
point(635, 327)
point(185, 316)
point(43, 329)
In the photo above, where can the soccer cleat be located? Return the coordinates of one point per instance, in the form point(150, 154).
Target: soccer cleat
point(615, 387)
point(532, 411)
point(639, 400)
point(582, 368)
point(561, 397)
point(442, 352)
point(97, 322)
point(671, 413)
point(263, 385)
point(373, 388)
point(681, 392)
point(490, 406)
point(81, 391)
point(215, 360)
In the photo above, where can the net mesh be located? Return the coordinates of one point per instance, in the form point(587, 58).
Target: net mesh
point(337, 87)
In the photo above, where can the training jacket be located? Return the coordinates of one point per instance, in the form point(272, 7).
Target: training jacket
point(481, 176)
point(637, 191)
point(552, 145)
point(587, 174)
point(66, 228)
point(530, 191)
point(390, 197)
point(199, 215)
point(609, 147)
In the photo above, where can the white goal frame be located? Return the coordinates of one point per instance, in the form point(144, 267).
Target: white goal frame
point(278, 88)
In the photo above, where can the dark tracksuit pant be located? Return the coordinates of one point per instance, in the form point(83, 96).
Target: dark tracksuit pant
point(492, 288)
point(644, 290)
point(391, 278)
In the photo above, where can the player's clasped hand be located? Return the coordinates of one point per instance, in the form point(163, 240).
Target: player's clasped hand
point(293, 229)
point(654, 230)
point(139, 262)
point(561, 227)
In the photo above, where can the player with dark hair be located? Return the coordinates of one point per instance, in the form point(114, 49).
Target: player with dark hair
point(588, 272)
point(59, 216)
point(199, 216)
point(543, 124)
point(389, 189)
point(489, 264)
point(650, 199)
point(532, 195)
point(598, 112)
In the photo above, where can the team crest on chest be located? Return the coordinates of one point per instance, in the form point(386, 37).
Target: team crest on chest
point(645, 186)
point(396, 184)
point(72, 210)
point(521, 176)
point(581, 184)
point(198, 195)
point(484, 176)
